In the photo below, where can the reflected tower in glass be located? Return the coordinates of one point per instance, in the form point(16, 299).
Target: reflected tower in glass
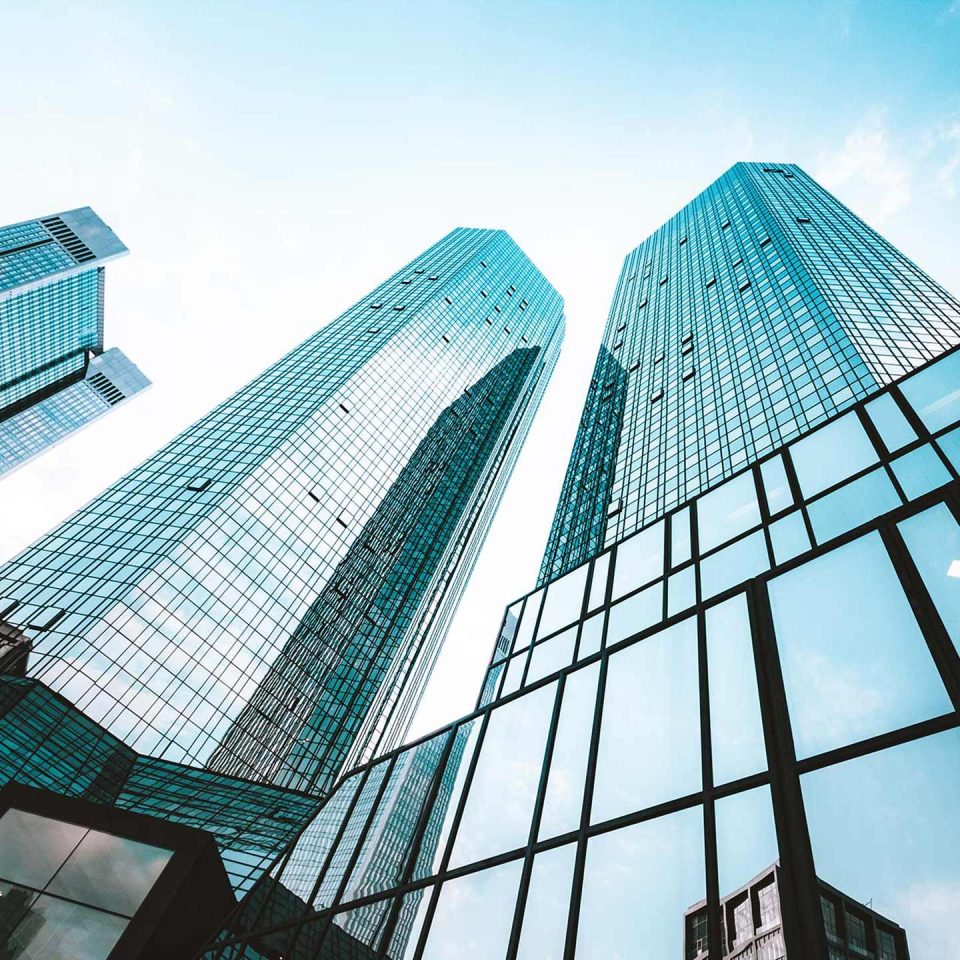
point(54, 375)
point(264, 597)
point(758, 311)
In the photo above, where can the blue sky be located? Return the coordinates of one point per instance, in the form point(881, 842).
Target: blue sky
point(267, 164)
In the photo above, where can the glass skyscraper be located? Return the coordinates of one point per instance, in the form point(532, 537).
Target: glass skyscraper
point(54, 377)
point(264, 597)
point(731, 729)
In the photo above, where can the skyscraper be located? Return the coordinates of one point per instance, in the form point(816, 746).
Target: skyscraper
point(757, 664)
point(51, 332)
point(265, 595)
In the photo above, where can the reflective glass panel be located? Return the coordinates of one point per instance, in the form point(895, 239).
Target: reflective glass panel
point(788, 537)
point(746, 837)
point(775, 485)
point(638, 882)
point(353, 930)
point(680, 548)
point(639, 560)
point(856, 503)
point(564, 601)
point(894, 428)
point(934, 393)
point(544, 929)
point(831, 454)
point(474, 915)
point(933, 539)
point(551, 655)
point(884, 832)
point(949, 443)
point(568, 765)
point(650, 734)
point(598, 585)
point(681, 590)
point(406, 933)
point(528, 621)
point(854, 661)
point(32, 848)
point(734, 564)
point(57, 928)
point(507, 631)
point(730, 509)
point(110, 872)
point(636, 613)
point(591, 635)
point(737, 729)
point(506, 779)
point(515, 667)
point(920, 471)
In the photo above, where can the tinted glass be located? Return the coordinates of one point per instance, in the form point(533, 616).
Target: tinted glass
point(551, 655)
point(528, 621)
point(894, 428)
point(474, 915)
point(852, 505)
point(56, 928)
point(406, 934)
point(680, 550)
point(636, 613)
point(854, 661)
point(568, 765)
point(544, 929)
point(506, 779)
point(737, 741)
point(32, 848)
point(638, 883)
point(563, 602)
point(591, 635)
point(598, 585)
point(832, 454)
point(732, 565)
point(934, 393)
point(746, 837)
point(775, 484)
point(681, 590)
point(730, 509)
point(650, 735)
point(919, 472)
point(639, 560)
point(788, 537)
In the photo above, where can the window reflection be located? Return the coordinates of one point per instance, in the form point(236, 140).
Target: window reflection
point(737, 730)
point(919, 472)
point(680, 547)
point(636, 613)
point(598, 585)
point(933, 539)
point(854, 661)
point(563, 602)
point(552, 655)
point(831, 454)
point(528, 621)
point(571, 748)
point(650, 735)
point(730, 509)
point(883, 829)
point(681, 591)
point(775, 485)
point(788, 537)
point(852, 505)
point(733, 565)
point(58, 928)
point(474, 915)
point(639, 560)
point(591, 635)
point(638, 883)
point(894, 428)
point(506, 778)
point(33, 848)
point(934, 393)
point(544, 930)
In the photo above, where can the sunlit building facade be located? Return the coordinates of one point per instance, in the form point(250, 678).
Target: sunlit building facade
point(765, 672)
point(54, 375)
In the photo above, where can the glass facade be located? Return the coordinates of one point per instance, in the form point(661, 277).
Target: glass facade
point(264, 597)
point(54, 375)
point(759, 311)
point(734, 733)
point(110, 379)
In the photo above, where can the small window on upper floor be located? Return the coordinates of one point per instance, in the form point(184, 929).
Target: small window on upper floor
point(789, 176)
point(683, 240)
point(448, 299)
point(199, 483)
point(659, 358)
point(630, 279)
point(497, 309)
point(803, 219)
point(483, 263)
point(687, 348)
point(622, 326)
point(418, 271)
point(764, 242)
point(641, 304)
point(744, 286)
point(663, 281)
point(712, 282)
point(738, 262)
point(725, 224)
point(398, 307)
point(657, 396)
point(483, 293)
point(434, 277)
point(635, 365)
point(689, 373)
point(375, 306)
point(523, 339)
point(445, 338)
point(344, 408)
point(313, 496)
point(489, 321)
point(687, 337)
point(408, 280)
point(617, 346)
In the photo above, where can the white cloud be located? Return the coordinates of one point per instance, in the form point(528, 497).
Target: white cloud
point(867, 171)
point(928, 910)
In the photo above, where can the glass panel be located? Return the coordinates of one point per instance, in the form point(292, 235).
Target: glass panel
point(14, 903)
point(636, 613)
point(788, 537)
point(564, 601)
point(884, 832)
point(934, 393)
point(56, 928)
point(919, 472)
point(528, 621)
point(638, 883)
point(738, 746)
point(933, 539)
point(639, 560)
point(507, 631)
point(746, 839)
point(775, 485)
point(591, 634)
point(515, 667)
point(733, 565)
point(681, 591)
point(406, 934)
point(444, 810)
point(650, 734)
point(680, 546)
point(506, 779)
point(474, 915)
point(894, 428)
point(854, 661)
point(598, 585)
point(568, 766)
point(544, 929)
point(831, 454)
point(551, 655)
point(110, 872)
point(33, 848)
point(353, 933)
point(730, 509)
point(949, 443)
point(856, 503)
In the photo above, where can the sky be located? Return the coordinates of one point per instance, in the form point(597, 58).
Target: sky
point(268, 164)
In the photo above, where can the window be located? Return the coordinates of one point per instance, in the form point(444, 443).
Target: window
point(730, 509)
point(934, 392)
point(894, 428)
point(657, 396)
point(831, 454)
point(639, 560)
point(198, 484)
